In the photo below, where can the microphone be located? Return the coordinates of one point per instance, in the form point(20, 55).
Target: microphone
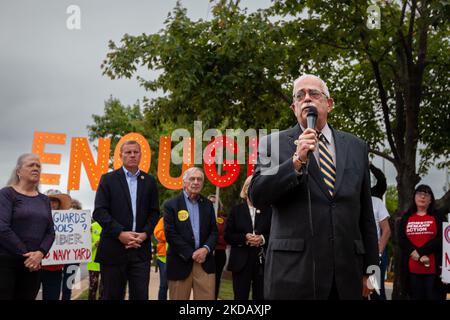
point(311, 118)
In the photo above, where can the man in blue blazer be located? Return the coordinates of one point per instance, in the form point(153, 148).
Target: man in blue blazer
point(127, 208)
point(191, 234)
point(323, 236)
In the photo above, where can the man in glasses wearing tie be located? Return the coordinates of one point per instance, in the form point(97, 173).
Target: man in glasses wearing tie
point(323, 236)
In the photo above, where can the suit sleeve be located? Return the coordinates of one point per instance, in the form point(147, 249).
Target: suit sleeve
point(102, 210)
point(231, 236)
point(266, 232)
point(153, 216)
point(176, 242)
point(212, 238)
point(367, 219)
point(271, 179)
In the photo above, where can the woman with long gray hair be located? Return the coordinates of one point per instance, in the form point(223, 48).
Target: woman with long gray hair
point(26, 230)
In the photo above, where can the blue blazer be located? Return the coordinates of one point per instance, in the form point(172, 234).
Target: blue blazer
point(114, 213)
point(180, 236)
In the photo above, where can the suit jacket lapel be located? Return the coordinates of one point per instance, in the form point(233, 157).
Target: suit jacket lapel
point(313, 169)
point(247, 216)
point(341, 145)
point(293, 134)
point(124, 184)
point(316, 174)
point(257, 221)
point(182, 206)
point(140, 192)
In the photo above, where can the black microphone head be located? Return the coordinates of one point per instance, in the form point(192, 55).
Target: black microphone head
point(312, 111)
point(311, 117)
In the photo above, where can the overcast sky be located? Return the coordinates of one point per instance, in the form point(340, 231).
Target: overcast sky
point(50, 76)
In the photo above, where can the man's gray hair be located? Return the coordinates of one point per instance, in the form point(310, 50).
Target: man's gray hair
point(304, 76)
point(129, 142)
point(190, 171)
point(14, 179)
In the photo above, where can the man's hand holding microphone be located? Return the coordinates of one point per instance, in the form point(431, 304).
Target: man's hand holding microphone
point(307, 141)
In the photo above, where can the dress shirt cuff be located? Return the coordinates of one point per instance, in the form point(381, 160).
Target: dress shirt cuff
point(263, 240)
point(207, 248)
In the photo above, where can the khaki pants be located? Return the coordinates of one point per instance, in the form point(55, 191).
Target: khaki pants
point(202, 283)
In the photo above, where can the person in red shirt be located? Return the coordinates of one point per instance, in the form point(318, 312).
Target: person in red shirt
point(420, 236)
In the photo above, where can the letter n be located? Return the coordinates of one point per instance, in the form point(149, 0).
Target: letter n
point(80, 154)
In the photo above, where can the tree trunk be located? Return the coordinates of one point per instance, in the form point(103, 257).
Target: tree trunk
point(407, 179)
point(443, 204)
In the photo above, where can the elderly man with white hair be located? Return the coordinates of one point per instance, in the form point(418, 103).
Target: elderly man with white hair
point(191, 234)
point(323, 240)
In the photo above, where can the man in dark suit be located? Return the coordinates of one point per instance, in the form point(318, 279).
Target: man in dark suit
point(247, 231)
point(323, 234)
point(127, 208)
point(191, 234)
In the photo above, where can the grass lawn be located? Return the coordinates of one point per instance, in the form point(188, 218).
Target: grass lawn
point(226, 290)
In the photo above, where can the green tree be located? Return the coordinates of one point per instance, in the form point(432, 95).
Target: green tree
point(390, 84)
point(116, 122)
point(391, 199)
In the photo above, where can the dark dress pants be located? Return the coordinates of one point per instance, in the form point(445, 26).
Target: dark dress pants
point(251, 275)
point(220, 257)
point(51, 284)
point(16, 281)
point(114, 279)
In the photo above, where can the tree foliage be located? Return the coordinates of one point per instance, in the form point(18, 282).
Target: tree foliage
point(390, 84)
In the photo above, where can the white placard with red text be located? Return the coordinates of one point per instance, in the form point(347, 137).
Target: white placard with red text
point(73, 237)
point(446, 252)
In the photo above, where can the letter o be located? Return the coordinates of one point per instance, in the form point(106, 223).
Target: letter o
point(146, 151)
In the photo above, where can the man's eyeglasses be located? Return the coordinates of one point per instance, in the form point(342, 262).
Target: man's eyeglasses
point(423, 194)
point(313, 93)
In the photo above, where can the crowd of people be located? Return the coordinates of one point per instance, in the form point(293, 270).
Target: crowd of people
point(308, 227)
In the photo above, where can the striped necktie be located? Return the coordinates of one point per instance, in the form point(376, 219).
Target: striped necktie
point(326, 164)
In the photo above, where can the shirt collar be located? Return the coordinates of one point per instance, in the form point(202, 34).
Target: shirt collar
point(129, 174)
point(186, 196)
point(326, 131)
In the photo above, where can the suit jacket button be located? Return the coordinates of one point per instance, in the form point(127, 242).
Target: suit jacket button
point(333, 205)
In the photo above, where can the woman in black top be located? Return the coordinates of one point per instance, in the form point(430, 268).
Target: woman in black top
point(247, 231)
point(26, 231)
